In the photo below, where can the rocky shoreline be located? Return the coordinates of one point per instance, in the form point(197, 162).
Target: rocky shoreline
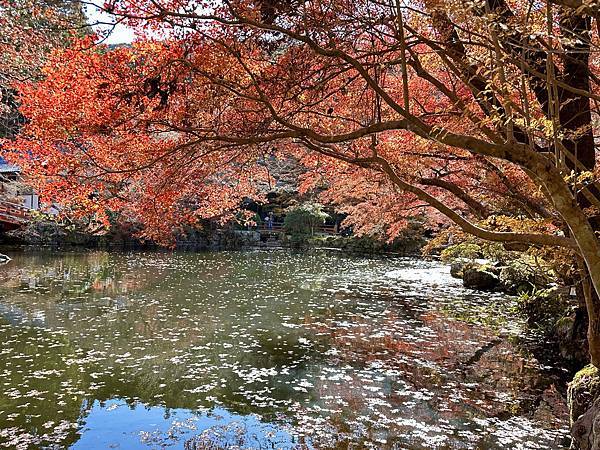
point(559, 321)
point(208, 238)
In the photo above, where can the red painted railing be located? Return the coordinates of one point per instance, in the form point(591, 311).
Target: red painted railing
point(13, 213)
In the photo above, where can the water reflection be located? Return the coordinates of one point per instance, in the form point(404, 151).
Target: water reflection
point(293, 351)
point(118, 424)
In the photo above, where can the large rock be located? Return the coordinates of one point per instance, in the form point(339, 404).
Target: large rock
point(515, 280)
point(520, 275)
point(249, 238)
point(583, 397)
point(457, 267)
point(479, 277)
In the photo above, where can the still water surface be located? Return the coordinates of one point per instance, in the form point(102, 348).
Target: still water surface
point(262, 350)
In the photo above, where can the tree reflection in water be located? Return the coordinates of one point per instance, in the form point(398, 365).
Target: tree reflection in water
point(299, 350)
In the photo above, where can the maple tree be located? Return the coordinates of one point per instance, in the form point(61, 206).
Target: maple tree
point(29, 30)
point(483, 113)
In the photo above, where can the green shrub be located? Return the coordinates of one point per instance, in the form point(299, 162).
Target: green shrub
point(302, 219)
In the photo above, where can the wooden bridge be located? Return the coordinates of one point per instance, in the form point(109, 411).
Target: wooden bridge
point(277, 228)
point(12, 215)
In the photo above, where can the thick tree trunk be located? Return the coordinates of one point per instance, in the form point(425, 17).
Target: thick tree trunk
point(589, 247)
point(576, 120)
point(575, 113)
point(592, 303)
point(582, 232)
point(593, 300)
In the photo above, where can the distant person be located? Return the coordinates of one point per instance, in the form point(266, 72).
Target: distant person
point(269, 222)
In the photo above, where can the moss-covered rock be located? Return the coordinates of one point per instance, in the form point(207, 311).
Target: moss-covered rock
point(583, 397)
point(516, 271)
point(523, 275)
point(462, 251)
point(480, 276)
point(543, 307)
point(457, 267)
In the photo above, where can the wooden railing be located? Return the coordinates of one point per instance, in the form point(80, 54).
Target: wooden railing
point(13, 213)
point(277, 227)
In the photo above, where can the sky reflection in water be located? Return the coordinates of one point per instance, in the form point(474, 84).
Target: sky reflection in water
point(262, 350)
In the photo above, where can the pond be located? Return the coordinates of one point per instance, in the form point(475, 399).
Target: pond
point(263, 350)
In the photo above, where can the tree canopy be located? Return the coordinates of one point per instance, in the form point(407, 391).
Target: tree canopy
point(481, 113)
point(29, 30)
